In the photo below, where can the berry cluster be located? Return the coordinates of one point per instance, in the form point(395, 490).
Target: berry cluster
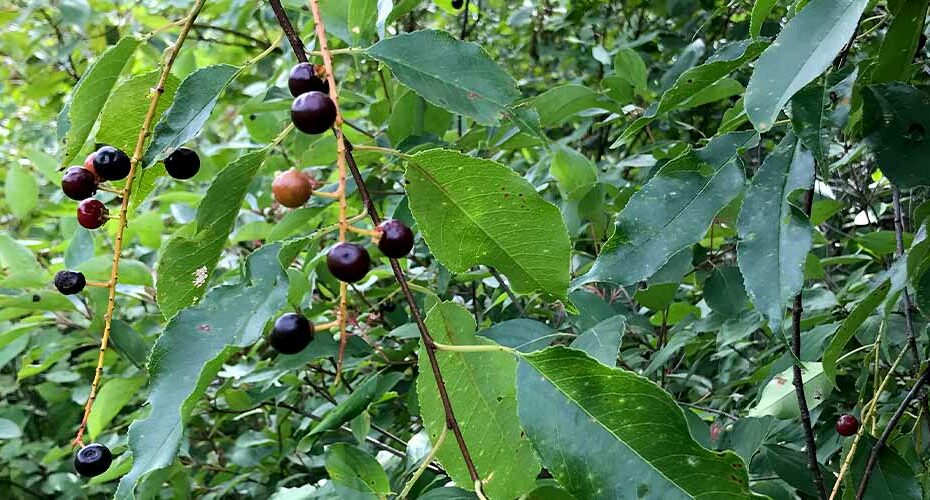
point(312, 111)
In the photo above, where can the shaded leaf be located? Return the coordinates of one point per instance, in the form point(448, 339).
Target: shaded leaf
point(896, 123)
point(602, 342)
point(857, 316)
point(779, 400)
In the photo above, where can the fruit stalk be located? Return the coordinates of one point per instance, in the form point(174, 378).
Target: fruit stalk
point(124, 209)
point(341, 316)
point(451, 422)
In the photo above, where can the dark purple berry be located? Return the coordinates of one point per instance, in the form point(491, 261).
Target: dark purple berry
point(847, 425)
point(78, 183)
point(396, 239)
point(91, 213)
point(458, 4)
point(303, 79)
point(111, 164)
point(182, 163)
point(69, 282)
point(313, 112)
point(291, 333)
point(92, 460)
point(348, 262)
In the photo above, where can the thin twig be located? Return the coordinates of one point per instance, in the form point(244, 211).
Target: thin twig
point(124, 210)
point(506, 287)
point(873, 456)
point(798, 381)
point(289, 32)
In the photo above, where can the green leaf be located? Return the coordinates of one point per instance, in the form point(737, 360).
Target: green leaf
point(131, 271)
point(896, 56)
point(113, 396)
point(775, 236)
point(361, 18)
point(454, 75)
point(91, 93)
point(21, 191)
point(368, 392)
point(630, 66)
point(126, 108)
point(9, 429)
point(575, 173)
point(672, 211)
point(724, 292)
point(893, 478)
point(191, 254)
point(524, 335)
point(16, 257)
point(190, 352)
point(460, 203)
point(192, 105)
point(760, 11)
point(694, 81)
point(559, 104)
point(896, 123)
point(482, 390)
point(857, 316)
point(602, 342)
point(779, 400)
point(609, 433)
point(804, 49)
point(356, 474)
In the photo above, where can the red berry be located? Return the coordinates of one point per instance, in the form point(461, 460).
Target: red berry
point(92, 460)
point(291, 333)
point(313, 112)
point(111, 164)
point(847, 425)
point(396, 239)
point(78, 183)
point(303, 79)
point(89, 165)
point(291, 188)
point(91, 213)
point(348, 262)
point(182, 163)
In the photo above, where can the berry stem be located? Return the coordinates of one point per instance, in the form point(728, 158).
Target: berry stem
point(451, 423)
point(124, 209)
point(341, 165)
point(328, 194)
point(371, 233)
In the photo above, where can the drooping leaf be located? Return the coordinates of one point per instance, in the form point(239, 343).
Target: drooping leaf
point(857, 316)
point(602, 342)
point(91, 93)
point(672, 211)
point(125, 109)
point(696, 80)
point(113, 396)
point(775, 236)
point(457, 76)
point(575, 173)
point(191, 254)
point(724, 291)
point(356, 475)
point(609, 433)
point(482, 390)
point(194, 101)
point(498, 218)
point(896, 55)
point(190, 352)
point(779, 400)
point(803, 50)
point(896, 123)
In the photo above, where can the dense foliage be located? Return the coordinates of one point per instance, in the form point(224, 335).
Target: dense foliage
point(665, 249)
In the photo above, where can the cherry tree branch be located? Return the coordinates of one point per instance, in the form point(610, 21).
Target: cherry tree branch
point(428, 342)
point(156, 94)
